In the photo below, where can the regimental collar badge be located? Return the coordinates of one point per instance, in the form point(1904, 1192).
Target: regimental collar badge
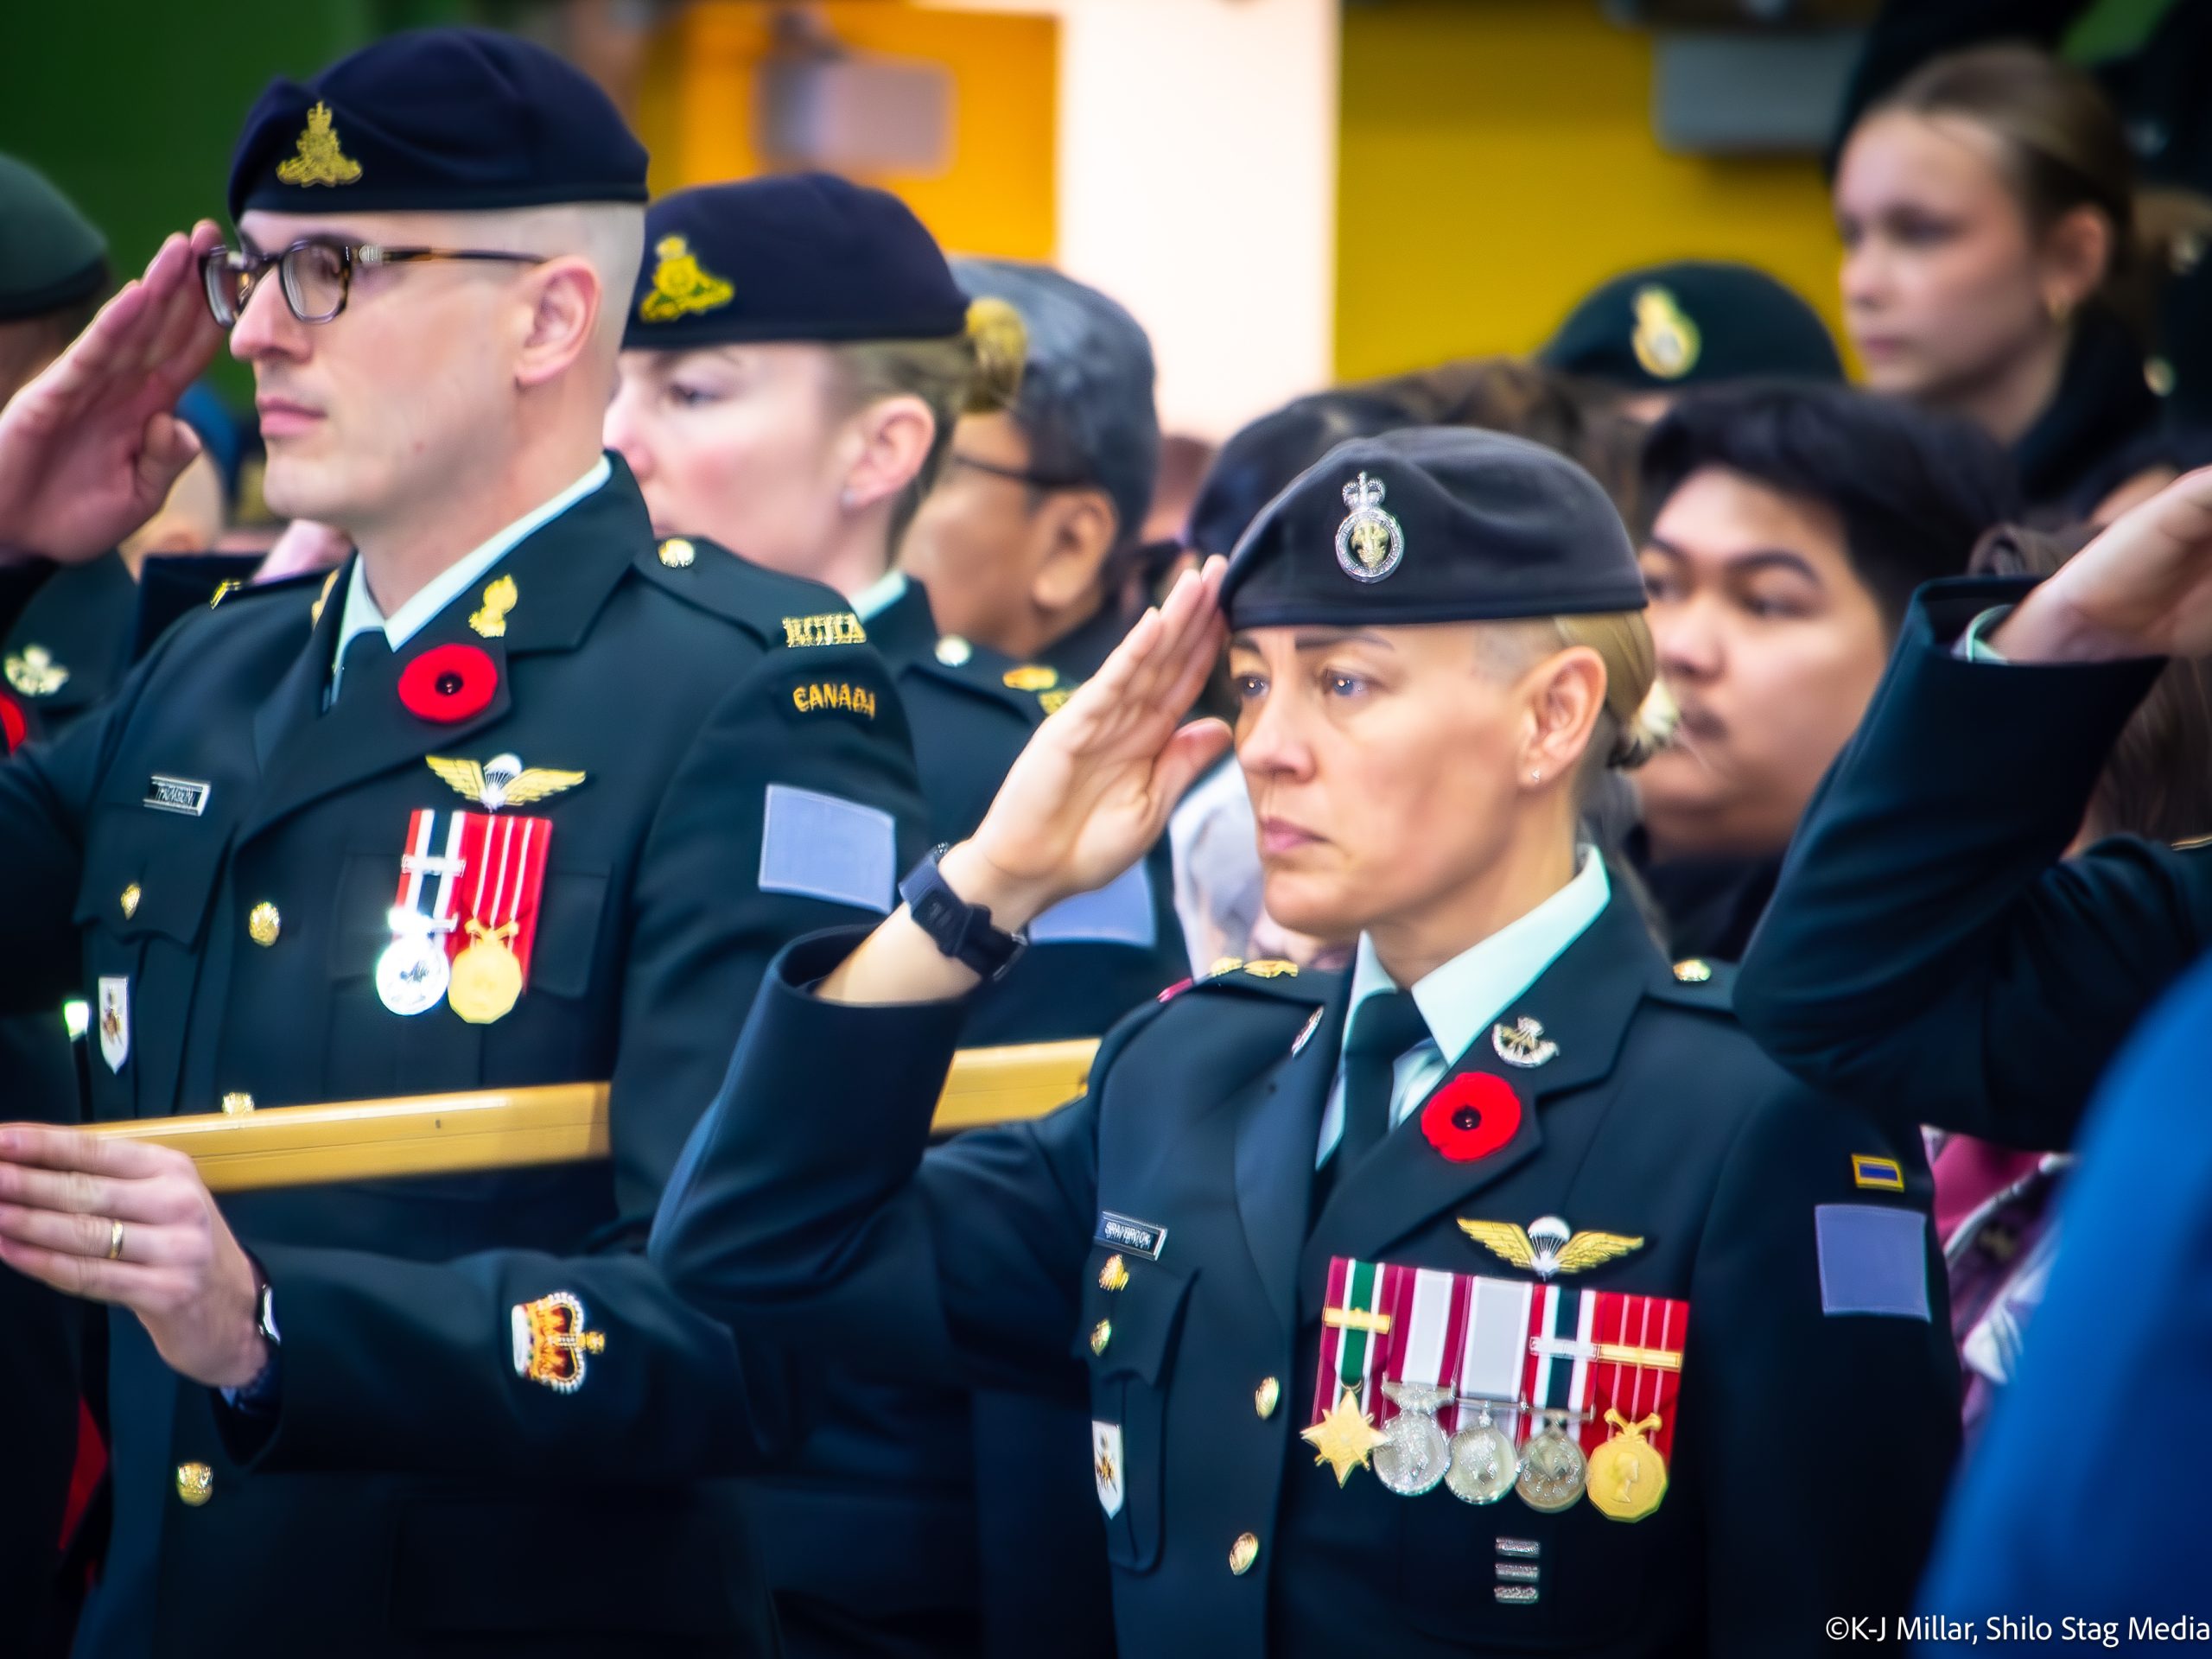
point(320, 161)
point(681, 286)
point(1548, 1246)
point(502, 781)
point(34, 673)
point(1369, 542)
point(1666, 342)
point(551, 1341)
point(499, 598)
point(1523, 1043)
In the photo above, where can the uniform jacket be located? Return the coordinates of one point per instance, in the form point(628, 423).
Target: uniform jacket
point(582, 1522)
point(1930, 950)
point(1656, 1119)
point(981, 1539)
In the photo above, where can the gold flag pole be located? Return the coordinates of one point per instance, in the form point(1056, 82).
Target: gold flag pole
point(553, 1123)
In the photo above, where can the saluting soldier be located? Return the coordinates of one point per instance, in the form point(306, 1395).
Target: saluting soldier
point(518, 795)
point(1500, 1296)
point(796, 356)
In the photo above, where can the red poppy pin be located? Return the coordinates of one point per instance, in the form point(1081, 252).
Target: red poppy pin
point(14, 728)
point(1471, 1116)
point(449, 682)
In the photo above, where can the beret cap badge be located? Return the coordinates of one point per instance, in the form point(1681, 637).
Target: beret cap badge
point(1666, 341)
point(1369, 542)
point(681, 288)
point(320, 161)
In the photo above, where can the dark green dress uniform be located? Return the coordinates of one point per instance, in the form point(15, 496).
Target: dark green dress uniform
point(489, 1427)
point(242, 943)
point(1609, 1201)
point(1930, 948)
point(814, 259)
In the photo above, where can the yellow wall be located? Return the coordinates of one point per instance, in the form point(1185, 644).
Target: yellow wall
point(1498, 161)
point(996, 198)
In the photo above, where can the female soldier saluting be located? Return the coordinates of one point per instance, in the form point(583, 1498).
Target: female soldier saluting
point(1502, 1296)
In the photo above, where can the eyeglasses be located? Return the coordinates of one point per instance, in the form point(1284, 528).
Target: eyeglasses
point(1020, 474)
point(315, 276)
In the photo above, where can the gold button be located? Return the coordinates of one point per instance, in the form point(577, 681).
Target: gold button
point(1694, 971)
point(954, 651)
point(1242, 1553)
point(263, 923)
point(677, 553)
point(1030, 676)
point(1113, 1275)
point(195, 1484)
point(1100, 1334)
point(132, 895)
point(237, 1105)
point(1264, 1396)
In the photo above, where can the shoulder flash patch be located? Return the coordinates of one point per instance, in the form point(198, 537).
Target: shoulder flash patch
point(824, 628)
point(809, 697)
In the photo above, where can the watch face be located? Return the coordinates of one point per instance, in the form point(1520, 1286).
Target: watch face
point(267, 1320)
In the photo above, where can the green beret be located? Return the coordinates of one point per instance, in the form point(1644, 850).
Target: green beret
point(50, 254)
point(1695, 322)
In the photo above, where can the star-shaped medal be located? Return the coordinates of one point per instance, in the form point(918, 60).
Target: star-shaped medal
point(1344, 1439)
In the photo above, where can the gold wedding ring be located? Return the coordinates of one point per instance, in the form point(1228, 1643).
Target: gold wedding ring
point(115, 1240)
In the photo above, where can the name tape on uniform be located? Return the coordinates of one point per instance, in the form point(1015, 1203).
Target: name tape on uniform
point(1121, 1232)
point(185, 795)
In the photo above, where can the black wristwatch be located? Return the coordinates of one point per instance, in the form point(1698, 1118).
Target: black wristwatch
point(962, 931)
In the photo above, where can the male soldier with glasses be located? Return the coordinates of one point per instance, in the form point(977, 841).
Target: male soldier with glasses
point(518, 795)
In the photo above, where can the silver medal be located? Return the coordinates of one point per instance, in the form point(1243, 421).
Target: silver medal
point(1483, 1464)
point(1553, 1469)
point(1414, 1452)
point(413, 972)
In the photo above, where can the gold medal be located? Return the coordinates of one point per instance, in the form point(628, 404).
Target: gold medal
point(486, 978)
point(1627, 1475)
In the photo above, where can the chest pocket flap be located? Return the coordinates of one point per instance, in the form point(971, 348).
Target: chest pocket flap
point(1129, 1331)
point(1132, 1316)
point(149, 873)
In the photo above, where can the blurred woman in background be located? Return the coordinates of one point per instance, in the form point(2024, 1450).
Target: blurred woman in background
point(1991, 268)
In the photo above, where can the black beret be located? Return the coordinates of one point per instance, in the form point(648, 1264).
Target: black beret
point(1432, 524)
point(50, 254)
point(797, 256)
point(436, 120)
point(1694, 322)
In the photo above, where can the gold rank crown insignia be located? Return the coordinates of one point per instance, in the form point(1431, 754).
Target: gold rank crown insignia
point(1666, 342)
point(503, 780)
point(319, 160)
point(681, 285)
point(499, 598)
point(1548, 1246)
point(551, 1341)
point(34, 673)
